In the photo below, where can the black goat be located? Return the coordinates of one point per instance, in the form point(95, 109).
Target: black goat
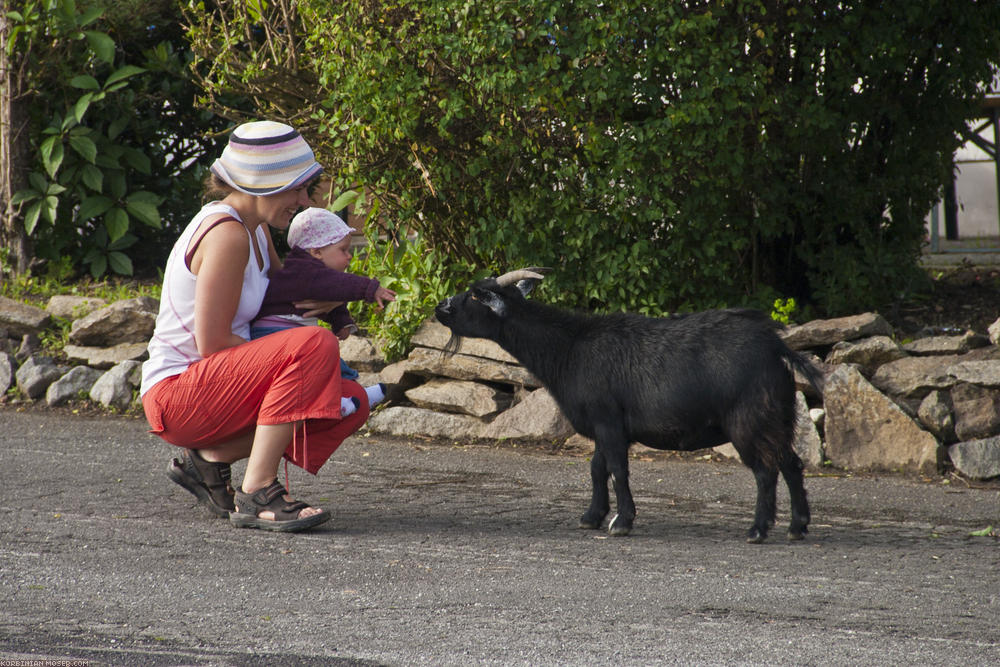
point(682, 383)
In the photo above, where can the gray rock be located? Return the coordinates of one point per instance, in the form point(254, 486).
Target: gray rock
point(8, 367)
point(537, 417)
point(463, 396)
point(915, 376)
point(821, 333)
point(807, 443)
point(978, 459)
point(30, 344)
point(976, 410)
point(361, 355)
point(127, 321)
point(106, 357)
point(72, 307)
point(79, 379)
point(114, 387)
point(20, 318)
point(867, 431)
point(464, 367)
point(407, 421)
point(994, 331)
point(939, 345)
point(435, 335)
point(868, 353)
point(398, 379)
point(36, 374)
point(985, 373)
point(936, 415)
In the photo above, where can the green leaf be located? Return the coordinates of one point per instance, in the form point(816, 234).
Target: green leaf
point(38, 182)
point(92, 207)
point(344, 200)
point(138, 160)
point(116, 185)
point(985, 532)
point(256, 9)
point(85, 81)
point(89, 16)
point(52, 154)
point(31, 217)
point(146, 196)
point(81, 106)
point(123, 73)
point(143, 205)
point(117, 125)
point(49, 209)
point(23, 196)
point(92, 177)
point(120, 263)
point(116, 222)
point(85, 147)
point(98, 266)
point(124, 242)
point(55, 189)
point(102, 45)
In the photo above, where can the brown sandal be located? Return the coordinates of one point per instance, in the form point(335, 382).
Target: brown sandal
point(271, 498)
point(207, 480)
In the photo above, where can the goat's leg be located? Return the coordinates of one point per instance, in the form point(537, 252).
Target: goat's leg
point(763, 519)
point(791, 470)
point(615, 449)
point(599, 501)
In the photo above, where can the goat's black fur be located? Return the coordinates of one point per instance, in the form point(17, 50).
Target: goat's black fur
point(681, 383)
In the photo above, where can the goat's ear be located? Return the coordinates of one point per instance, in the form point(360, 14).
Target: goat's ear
point(491, 300)
point(525, 285)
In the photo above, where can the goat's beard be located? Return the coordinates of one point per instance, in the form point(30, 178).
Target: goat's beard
point(451, 347)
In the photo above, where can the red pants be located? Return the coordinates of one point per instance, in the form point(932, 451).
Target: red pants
point(288, 376)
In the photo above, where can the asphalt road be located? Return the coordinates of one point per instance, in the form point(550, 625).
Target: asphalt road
point(445, 554)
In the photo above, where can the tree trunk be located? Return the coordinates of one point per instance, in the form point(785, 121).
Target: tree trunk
point(14, 155)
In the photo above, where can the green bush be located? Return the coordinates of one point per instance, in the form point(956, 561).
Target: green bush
point(113, 129)
point(659, 156)
point(420, 277)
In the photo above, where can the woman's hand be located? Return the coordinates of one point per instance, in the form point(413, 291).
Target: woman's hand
point(316, 308)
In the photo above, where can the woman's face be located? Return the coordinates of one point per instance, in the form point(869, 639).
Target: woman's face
point(277, 210)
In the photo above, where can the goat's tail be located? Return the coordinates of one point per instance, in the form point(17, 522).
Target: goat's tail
point(799, 362)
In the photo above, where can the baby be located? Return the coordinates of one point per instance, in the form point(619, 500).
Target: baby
point(315, 269)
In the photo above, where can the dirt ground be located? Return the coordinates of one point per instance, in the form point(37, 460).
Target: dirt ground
point(960, 298)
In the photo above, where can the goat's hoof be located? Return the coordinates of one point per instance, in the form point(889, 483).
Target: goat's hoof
point(591, 522)
point(756, 536)
point(618, 528)
point(797, 534)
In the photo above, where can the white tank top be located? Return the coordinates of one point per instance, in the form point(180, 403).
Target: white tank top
point(172, 348)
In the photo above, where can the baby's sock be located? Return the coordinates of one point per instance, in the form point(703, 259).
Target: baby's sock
point(376, 394)
point(348, 406)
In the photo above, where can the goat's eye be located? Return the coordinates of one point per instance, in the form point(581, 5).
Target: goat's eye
point(474, 297)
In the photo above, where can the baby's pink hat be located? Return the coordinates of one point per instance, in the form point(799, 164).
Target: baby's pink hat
point(316, 228)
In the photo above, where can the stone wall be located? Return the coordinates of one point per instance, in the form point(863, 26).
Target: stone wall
point(924, 405)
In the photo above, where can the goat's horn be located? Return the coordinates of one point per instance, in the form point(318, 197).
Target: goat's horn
point(521, 274)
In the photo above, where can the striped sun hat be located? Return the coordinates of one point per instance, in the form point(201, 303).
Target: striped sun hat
point(264, 158)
